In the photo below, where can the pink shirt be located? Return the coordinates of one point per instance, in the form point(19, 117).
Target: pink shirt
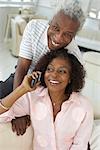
point(72, 127)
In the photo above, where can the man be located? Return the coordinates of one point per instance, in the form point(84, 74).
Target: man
point(41, 36)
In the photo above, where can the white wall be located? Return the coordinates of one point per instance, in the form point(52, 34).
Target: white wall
point(45, 7)
point(3, 19)
point(96, 4)
point(46, 10)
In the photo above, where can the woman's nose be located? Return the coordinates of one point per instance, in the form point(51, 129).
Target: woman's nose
point(55, 73)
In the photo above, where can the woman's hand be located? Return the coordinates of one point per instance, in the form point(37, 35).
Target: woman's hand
point(27, 81)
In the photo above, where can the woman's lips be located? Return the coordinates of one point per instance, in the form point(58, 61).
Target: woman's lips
point(54, 81)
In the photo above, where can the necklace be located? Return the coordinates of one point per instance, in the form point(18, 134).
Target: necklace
point(54, 104)
point(58, 103)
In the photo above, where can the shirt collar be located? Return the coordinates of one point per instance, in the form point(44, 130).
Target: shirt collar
point(42, 91)
point(74, 97)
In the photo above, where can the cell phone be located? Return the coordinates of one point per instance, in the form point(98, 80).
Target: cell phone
point(36, 80)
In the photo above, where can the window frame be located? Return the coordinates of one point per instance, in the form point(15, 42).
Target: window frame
point(9, 2)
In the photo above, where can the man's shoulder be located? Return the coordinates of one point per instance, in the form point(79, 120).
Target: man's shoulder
point(39, 22)
point(37, 25)
point(73, 48)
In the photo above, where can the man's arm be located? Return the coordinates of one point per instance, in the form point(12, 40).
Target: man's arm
point(21, 70)
point(23, 65)
point(20, 124)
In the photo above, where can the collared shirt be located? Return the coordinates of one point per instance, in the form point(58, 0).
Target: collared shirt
point(34, 42)
point(71, 129)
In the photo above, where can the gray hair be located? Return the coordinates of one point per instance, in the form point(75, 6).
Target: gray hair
point(72, 8)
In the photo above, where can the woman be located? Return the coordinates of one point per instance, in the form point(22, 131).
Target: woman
point(59, 113)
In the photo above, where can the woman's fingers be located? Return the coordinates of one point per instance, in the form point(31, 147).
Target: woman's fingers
point(32, 81)
point(36, 78)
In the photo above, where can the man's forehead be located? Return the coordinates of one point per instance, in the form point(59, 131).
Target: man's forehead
point(58, 16)
point(64, 21)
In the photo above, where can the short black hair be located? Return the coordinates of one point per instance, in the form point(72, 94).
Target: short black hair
point(77, 73)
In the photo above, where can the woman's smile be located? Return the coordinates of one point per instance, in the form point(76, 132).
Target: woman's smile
point(54, 82)
point(57, 75)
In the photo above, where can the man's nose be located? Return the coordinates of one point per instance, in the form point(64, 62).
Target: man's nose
point(59, 38)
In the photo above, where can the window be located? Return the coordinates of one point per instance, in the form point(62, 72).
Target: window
point(17, 0)
point(94, 9)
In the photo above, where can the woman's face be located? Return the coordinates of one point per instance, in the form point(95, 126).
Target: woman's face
point(57, 75)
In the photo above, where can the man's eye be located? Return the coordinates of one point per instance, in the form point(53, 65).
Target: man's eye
point(55, 28)
point(68, 35)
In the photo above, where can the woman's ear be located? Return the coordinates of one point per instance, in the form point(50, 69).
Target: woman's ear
point(69, 81)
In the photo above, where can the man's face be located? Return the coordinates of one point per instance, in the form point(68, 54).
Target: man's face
point(61, 31)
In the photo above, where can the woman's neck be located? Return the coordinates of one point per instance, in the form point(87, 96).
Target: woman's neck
point(57, 97)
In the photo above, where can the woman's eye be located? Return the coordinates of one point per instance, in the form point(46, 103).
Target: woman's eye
point(49, 69)
point(62, 71)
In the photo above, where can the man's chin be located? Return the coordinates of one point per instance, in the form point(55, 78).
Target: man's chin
point(52, 47)
point(55, 48)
